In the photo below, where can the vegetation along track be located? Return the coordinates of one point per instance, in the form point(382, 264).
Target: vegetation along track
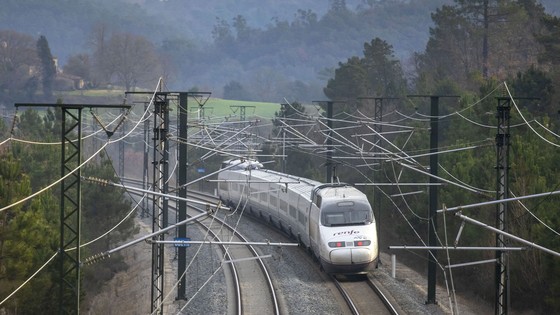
point(363, 295)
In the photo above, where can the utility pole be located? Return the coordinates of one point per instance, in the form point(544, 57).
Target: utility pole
point(71, 202)
point(283, 109)
point(182, 192)
point(432, 224)
point(145, 176)
point(378, 128)
point(329, 149)
point(329, 159)
point(242, 123)
point(502, 192)
point(242, 111)
point(160, 184)
point(121, 150)
point(433, 194)
point(200, 98)
point(94, 129)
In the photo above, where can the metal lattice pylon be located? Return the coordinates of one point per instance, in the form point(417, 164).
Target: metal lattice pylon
point(502, 168)
point(70, 202)
point(70, 211)
point(160, 204)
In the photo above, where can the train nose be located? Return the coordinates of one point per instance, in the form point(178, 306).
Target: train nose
point(345, 256)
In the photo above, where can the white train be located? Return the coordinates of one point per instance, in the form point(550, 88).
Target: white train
point(334, 221)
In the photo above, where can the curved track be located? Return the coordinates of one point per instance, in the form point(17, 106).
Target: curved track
point(255, 291)
point(250, 287)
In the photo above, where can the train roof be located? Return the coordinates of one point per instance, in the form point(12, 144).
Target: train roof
point(300, 185)
point(336, 191)
point(297, 184)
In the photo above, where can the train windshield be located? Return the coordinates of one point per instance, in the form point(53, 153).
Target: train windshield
point(346, 213)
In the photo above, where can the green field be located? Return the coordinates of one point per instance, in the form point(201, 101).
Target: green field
point(217, 108)
point(214, 108)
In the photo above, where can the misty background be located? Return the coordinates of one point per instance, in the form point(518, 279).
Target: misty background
point(262, 50)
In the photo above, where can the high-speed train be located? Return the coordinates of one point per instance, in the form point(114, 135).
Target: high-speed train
point(334, 221)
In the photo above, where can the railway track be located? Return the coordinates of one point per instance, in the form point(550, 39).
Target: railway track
point(363, 296)
point(252, 284)
point(250, 288)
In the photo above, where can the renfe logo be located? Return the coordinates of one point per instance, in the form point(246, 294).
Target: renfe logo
point(351, 232)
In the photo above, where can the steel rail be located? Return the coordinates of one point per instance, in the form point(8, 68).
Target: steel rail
point(227, 256)
point(231, 260)
point(354, 308)
point(345, 295)
point(383, 297)
point(254, 252)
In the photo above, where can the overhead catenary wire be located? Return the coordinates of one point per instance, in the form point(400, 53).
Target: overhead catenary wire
point(511, 236)
point(525, 120)
point(29, 279)
point(535, 216)
point(439, 178)
point(109, 141)
point(347, 143)
point(493, 202)
point(220, 266)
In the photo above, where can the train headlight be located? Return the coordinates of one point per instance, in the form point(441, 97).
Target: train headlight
point(337, 244)
point(362, 243)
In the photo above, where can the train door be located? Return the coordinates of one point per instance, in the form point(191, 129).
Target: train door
point(314, 236)
point(302, 219)
point(223, 190)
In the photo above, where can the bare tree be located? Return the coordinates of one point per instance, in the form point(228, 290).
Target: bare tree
point(18, 63)
point(100, 71)
point(133, 60)
point(79, 65)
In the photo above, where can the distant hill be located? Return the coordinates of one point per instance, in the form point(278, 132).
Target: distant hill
point(281, 54)
point(68, 24)
point(196, 18)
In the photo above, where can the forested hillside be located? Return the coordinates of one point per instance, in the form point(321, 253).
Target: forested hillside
point(286, 49)
point(207, 44)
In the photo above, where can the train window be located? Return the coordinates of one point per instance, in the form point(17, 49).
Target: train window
point(264, 197)
point(345, 204)
point(355, 214)
point(301, 218)
point(334, 219)
point(223, 186)
point(273, 201)
point(283, 205)
point(234, 187)
point(359, 216)
point(293, 211)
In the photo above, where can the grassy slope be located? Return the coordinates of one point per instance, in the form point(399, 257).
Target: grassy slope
point(213, 108)
point(216, 107)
